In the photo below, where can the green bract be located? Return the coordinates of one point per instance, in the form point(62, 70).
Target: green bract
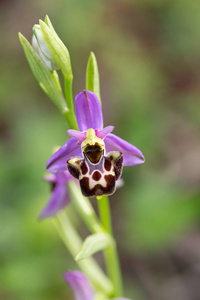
point(92, 76)
point(94, 243)
point(47, 80)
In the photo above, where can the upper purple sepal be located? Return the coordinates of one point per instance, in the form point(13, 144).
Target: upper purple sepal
point(89, 111)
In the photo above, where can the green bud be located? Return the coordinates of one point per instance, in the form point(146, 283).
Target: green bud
point(41, 48)
point(56, 48)
point(47, 80)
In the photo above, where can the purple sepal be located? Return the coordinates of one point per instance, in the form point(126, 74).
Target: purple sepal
point(132, 155)
point(80, 285)
point(89, 111)
point(58, 161)
point(58, 200)
point(60, 196)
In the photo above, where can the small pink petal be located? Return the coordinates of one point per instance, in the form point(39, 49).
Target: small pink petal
point(80, 136)
point(104, 132)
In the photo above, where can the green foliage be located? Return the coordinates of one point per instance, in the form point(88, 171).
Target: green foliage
point(92, 244)
point(92, 76)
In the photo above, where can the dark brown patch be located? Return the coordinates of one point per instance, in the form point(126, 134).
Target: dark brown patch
point(96, 176)
point(84, 168)
point(93, 152)
point(107, 164)
point(53, 185)
point(73, 170)
point(109, 179)
point(98, 189)
point(118, 166)
point(84, 184)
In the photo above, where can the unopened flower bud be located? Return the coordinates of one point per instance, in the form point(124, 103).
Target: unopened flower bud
point(42, 49)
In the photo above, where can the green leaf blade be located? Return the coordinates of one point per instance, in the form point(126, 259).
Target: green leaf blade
point(93, 244)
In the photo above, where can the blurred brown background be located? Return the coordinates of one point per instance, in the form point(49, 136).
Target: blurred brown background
point(149, 59)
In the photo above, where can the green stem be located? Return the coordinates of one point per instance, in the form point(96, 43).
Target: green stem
point(84, 208)
point(68, 93)
point(111, 256)
point(71, 119)
point(89, 266)
point(69, 114)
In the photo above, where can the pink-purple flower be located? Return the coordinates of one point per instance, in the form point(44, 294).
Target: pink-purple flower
point(60, 196)
point(94, 155)
point(81, 286)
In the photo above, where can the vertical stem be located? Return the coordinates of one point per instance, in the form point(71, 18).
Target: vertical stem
point(70, 115)
point(84, 208)
point(89, 266)
point(68, 93)
point(71, 119)
point(104, 212)
point(111, 255)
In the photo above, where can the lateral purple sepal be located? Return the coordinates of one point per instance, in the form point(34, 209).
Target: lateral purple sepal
point(132, 155)
point(80, 285)
point(58, 161)
point(58, 200)
point(59, 196)
point(89, 111)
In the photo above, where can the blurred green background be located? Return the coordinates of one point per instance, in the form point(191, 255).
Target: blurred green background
point(149, 59)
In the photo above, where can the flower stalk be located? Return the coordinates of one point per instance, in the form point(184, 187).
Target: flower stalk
point(111, 255)
point(73, 243)
point(70, 114)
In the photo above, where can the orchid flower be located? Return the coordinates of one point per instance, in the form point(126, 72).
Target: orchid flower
point(81, 286)
point(60, 196)
point(94, 155)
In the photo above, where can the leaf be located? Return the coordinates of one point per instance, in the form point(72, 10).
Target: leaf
point(44, 77)
point(92, 76)
point(94, 243)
